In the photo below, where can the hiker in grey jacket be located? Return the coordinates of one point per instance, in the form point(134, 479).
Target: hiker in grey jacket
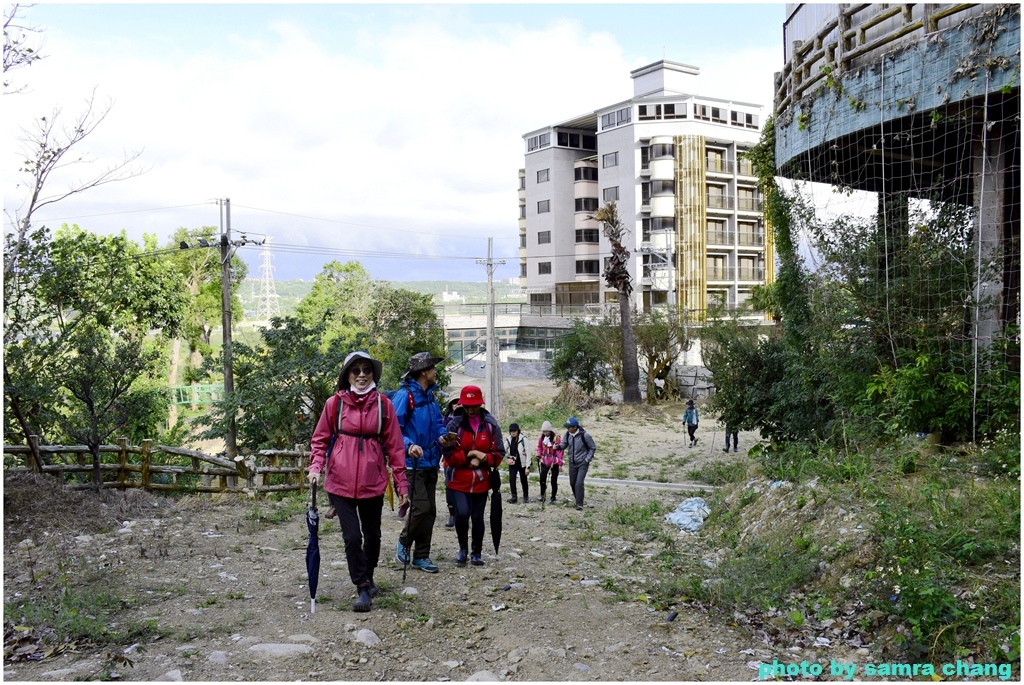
point(579, 450)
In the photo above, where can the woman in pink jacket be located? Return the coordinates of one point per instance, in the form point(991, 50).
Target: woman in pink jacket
point(366, 440)
point(549, 454)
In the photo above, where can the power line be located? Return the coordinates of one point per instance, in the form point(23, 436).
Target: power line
point(352, 223)
point(126, 211)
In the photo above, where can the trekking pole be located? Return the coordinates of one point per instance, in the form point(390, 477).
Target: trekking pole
point(408, 523)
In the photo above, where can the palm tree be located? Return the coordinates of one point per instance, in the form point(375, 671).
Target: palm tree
point(616, 275)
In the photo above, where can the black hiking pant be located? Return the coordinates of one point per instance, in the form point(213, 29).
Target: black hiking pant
point(521, 471)
point(577, 472)
point(362, 547)
point(544, 468)
point(469, 508)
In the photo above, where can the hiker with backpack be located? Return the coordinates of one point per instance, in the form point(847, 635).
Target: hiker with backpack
point(549, 454)
point(477, 449)
point(517, 456)
point(691, 418)
point(423, 431)
point(355, 441)
point(581, 447)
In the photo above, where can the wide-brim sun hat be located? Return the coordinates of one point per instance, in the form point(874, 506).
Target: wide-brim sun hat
point(351, 359)
point(421, 361)
point(471, 396)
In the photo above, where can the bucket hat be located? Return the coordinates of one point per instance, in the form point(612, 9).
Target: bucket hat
point(421, 361)
point(353, 358)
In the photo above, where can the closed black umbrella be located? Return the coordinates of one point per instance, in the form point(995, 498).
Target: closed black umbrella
point(495, 508)
point(313, 549)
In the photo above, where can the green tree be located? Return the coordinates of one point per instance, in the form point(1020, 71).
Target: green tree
point(660, 338)
point(340, 297)
point(100, 376)
point(400, 324)
point(616, 275)
point(577, 359)
point(60, 292)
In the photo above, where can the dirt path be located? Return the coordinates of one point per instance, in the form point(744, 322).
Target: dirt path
point(224, 584)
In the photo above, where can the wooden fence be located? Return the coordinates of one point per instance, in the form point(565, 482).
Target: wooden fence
point(144, 466)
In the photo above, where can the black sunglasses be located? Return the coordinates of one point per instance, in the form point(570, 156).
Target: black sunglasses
point(358, 369)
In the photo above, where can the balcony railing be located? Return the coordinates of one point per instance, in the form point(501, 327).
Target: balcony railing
point(720, 237)
point(730, 273)
point(720, 201)
point(748, 204)
point(719, 166)
point(751, 239)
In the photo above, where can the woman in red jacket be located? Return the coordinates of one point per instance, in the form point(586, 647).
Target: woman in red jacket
point(367, 440)
point(478, 448)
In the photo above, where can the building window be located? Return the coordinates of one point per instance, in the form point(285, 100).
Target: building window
point(645, 192)
point(663, 150)
point(522, 270)
point(743, 119)
point(662, 188)
point(616, 118)
point(645, 157)
point(544, 206)
point(648, 112)
point(537, 142)
point(611, 194)
point(610, 159)
point(586, 204)
point(544, 268)
point(586, 173)
point(587, 235)
point(645, 230)
point(543, 237)
point(660, 224)
point(676, 111)
point(522, 183)
point(522, 211)
point(588, 266)
point(543, 176)
point(522, 240)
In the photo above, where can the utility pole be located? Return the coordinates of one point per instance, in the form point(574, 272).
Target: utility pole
point(492, 378)
point(231, 447)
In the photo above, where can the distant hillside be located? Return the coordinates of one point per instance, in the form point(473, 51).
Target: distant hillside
point(290, 292)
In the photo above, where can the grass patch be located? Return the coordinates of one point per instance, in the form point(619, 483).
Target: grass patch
point(719, 473)
point(70, 615)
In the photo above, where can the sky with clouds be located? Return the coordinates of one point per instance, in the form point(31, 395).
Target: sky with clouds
point(348, 129)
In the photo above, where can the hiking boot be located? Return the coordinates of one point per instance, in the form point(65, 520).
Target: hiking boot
point(552, 500)
point(373, 588)
point(579, 507)
point(451, 522)
point(526, 500)
point(726, 449)
point(513, 500)
point(460, 558)
point(425, 564)
point(476, 560)
point(402, 553)
point(363, 602)
point(735, 449)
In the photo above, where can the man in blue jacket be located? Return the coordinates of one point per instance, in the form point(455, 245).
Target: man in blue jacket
point(423, 430)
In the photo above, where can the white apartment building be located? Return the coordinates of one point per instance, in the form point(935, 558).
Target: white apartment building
point(672, 162)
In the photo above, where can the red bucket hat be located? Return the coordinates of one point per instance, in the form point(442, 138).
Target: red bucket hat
point(471, 396)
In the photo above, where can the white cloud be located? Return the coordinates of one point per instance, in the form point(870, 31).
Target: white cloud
point(417, 125)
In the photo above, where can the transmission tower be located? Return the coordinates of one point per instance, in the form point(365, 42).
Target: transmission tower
point(267, 305)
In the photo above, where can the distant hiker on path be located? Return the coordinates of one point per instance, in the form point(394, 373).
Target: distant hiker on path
point(581, 450)
point(691, 418)
point(357, 428)
point(731, 432)
point(517, 456)
point(549, 454)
